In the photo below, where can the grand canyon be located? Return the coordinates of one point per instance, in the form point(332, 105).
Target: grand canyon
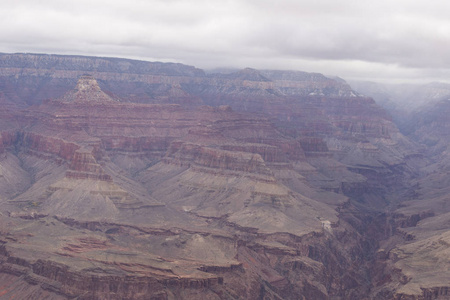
point(126, 179)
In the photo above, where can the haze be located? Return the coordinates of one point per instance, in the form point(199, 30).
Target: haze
point(388, 41)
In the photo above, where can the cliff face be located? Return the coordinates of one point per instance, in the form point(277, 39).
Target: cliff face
point(310, 107)
point(158, 180)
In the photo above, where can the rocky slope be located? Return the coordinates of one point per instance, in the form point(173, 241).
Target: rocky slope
point(150, 180)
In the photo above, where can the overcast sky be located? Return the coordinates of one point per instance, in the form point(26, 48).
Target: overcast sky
point(380, 40)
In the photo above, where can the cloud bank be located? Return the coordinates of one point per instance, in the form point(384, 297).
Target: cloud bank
point(381, 40)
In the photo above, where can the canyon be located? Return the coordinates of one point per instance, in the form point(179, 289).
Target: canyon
point(124, 179)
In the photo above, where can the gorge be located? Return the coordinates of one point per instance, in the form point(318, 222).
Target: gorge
point(124, 179)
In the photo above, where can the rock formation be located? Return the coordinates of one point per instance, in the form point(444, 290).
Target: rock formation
point(123, 179)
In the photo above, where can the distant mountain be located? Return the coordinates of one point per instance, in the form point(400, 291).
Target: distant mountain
point(33, 78)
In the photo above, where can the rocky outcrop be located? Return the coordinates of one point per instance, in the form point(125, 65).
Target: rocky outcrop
point(46, 145)
point(87, 90)
point(269, 153)
point(59, 279)
point(84, 166)
point(220, 159)
point(7, 140)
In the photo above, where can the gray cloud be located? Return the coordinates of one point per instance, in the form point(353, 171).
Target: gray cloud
point(392, 40)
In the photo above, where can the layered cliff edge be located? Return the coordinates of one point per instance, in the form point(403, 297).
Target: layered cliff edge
point(280, 188)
